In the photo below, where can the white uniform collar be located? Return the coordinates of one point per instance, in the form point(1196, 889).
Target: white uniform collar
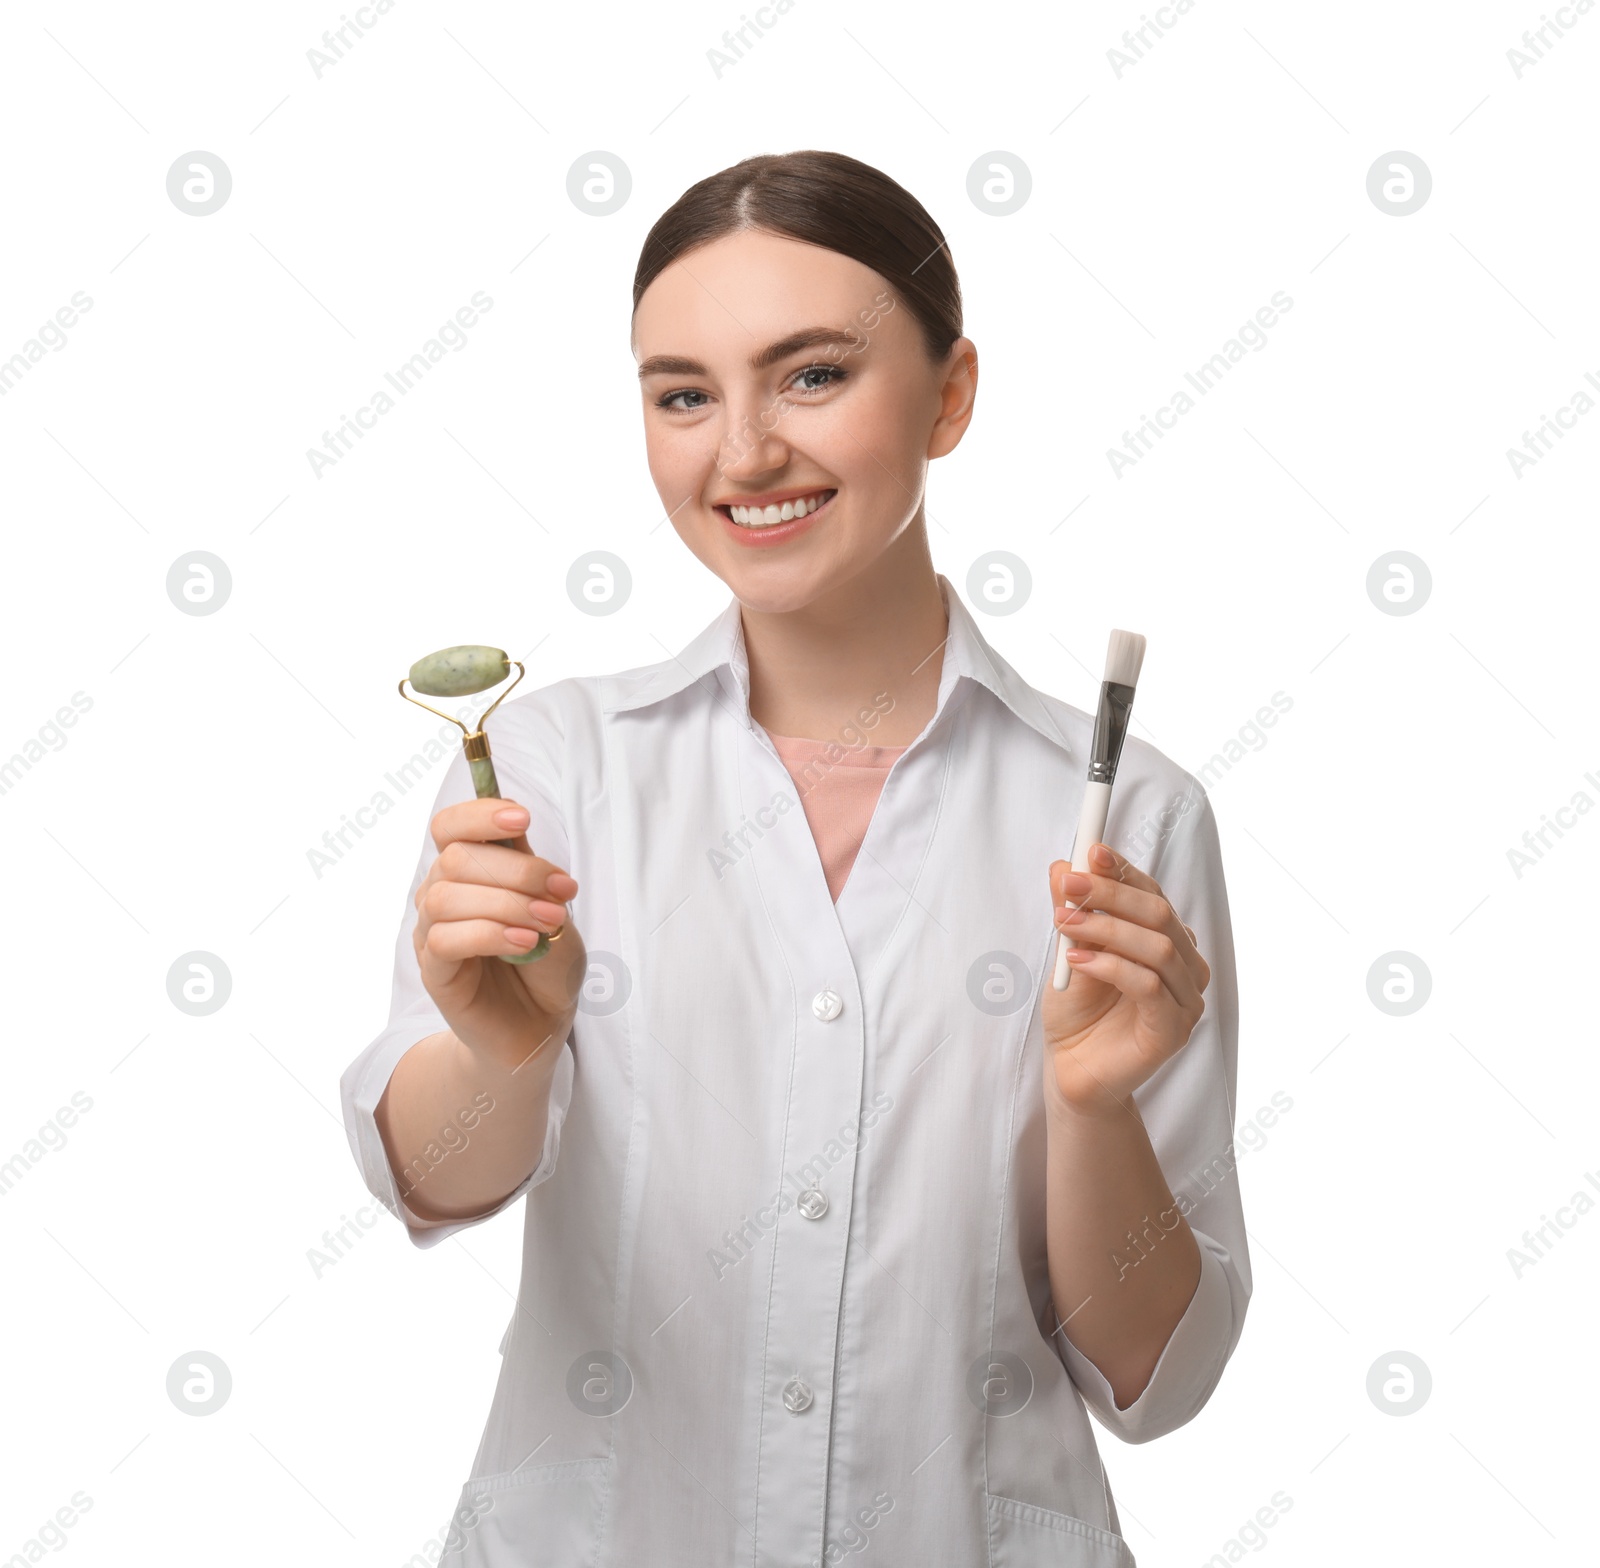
point(720, 646)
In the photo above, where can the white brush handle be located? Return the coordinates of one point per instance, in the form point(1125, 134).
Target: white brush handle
point(1091, 825)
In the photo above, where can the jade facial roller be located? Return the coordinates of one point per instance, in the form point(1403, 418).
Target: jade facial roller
point(459, 672)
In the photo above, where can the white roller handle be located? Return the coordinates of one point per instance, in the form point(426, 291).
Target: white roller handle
point(1091, 826)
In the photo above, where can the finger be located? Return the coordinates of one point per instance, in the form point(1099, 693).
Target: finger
point(473, 901)
point(557, 887)
point(451, 941)
point(1146, 989)
point(494, 865)
point(480, 820)
point(1086, 890)
point(1105, 861)
point(1156, 950)
point(1133, 894)
point(1169, 931)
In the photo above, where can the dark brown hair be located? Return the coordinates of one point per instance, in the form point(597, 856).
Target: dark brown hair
point(826, 199)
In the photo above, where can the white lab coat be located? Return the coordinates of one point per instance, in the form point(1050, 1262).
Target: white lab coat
point(791, 1201)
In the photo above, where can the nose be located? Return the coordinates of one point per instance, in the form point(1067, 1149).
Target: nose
point(753, 443)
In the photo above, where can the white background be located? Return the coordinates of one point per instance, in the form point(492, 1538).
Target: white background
point(1167, 206)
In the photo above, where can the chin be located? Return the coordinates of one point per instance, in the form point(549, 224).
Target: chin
point(777, 589)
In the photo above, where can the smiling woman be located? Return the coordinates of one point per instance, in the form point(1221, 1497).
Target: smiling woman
point(922, 1314)
point(791, 409)
point(828, 345)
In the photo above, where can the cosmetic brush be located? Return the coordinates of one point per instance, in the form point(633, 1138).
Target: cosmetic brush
point(1124, 655)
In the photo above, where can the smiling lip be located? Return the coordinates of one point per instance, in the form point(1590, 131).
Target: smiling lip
point(772, 497)
point(773, 533)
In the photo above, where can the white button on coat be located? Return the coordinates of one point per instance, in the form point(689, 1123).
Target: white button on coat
point(797, 1395)
point(659, 1225)
point(827, 1005)
point(812, 1203)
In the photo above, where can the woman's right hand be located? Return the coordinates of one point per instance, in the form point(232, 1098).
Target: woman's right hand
point(480, 899)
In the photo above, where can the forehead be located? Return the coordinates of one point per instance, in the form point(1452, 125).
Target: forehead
point(749, 288)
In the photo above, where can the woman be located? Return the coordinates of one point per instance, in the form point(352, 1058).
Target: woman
point(835, 1207)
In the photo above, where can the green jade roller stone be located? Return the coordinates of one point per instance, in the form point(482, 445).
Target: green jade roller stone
point(459, 672)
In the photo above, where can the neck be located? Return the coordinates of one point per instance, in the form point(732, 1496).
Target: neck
point(875, 641)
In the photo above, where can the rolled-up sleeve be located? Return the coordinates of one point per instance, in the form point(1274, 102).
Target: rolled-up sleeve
point(1188, 1110)
point(413, 1015)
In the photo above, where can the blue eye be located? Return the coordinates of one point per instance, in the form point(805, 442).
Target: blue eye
point(687, 400)
point(670, 400)
point(832, 372)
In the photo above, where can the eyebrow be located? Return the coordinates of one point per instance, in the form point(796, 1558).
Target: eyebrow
point(807, 337)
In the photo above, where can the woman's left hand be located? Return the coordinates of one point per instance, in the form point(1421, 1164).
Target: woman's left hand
point(1135, 994)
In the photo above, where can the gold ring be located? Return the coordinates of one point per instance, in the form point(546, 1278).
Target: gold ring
point(555, 936)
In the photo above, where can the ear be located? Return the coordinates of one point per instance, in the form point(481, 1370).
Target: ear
point(957, 393)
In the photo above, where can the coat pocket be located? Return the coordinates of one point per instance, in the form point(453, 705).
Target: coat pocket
point(1022, 1535)
point(546, 1514)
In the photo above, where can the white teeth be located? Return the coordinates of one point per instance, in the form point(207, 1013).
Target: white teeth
point(766, 516)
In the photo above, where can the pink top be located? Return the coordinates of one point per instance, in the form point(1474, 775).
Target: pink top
point(839, 788)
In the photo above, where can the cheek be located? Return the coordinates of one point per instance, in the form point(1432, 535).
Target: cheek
point(679, 459)
point(876, 447)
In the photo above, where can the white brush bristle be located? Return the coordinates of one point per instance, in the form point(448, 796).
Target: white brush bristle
point(1124, 656)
